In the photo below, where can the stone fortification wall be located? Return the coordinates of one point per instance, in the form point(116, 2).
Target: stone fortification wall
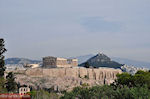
point(107, 75)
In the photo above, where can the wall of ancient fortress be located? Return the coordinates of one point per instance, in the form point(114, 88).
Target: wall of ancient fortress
point(92, 74)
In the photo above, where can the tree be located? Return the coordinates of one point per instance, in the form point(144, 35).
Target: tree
point(2, 66)
point(108, 92)
point(2, 85)
point(42, 94)
point(10, 82)
point(87, 65)
point(140, 78)
point(124, 79)
point(2, 62)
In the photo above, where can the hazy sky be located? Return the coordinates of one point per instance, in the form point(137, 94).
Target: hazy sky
point(37, 28)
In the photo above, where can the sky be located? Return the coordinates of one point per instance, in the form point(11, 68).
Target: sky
point(66, 28)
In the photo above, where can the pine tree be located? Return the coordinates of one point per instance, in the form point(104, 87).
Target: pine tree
point(10, 82)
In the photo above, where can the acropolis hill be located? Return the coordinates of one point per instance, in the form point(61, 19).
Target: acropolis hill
point(64, 76)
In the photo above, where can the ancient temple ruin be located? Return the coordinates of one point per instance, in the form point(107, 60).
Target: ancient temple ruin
point(53, 62)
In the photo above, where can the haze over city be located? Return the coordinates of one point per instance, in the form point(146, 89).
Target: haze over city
point(66, 28)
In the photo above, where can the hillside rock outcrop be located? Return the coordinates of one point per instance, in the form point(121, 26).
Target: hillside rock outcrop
point(89, 73)
point(66, 78)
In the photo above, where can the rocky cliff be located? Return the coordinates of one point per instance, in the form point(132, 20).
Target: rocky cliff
point(90, 73)
point(66, 78)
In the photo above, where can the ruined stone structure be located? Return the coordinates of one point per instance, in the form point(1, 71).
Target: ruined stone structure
point(53, 62)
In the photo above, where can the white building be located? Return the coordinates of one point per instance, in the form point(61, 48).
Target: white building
point(24, 90)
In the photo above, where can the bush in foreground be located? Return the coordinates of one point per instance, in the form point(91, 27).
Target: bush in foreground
point(108, 92)
point(42, 94)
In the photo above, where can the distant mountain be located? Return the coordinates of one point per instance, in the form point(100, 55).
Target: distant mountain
point(21, 61)
point(101, 60)
point(131, 62)
point(83, 58)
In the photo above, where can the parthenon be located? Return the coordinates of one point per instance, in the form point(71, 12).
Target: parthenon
point(53, 62)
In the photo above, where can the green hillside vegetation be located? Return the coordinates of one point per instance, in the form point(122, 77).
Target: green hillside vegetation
point(125, 87)
point(43, 94)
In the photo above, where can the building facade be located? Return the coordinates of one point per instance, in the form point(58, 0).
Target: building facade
point(53, 62)
point(24, 90)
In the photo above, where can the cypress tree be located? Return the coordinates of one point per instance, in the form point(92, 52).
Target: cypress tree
point(2, 66)
point(2, 62)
